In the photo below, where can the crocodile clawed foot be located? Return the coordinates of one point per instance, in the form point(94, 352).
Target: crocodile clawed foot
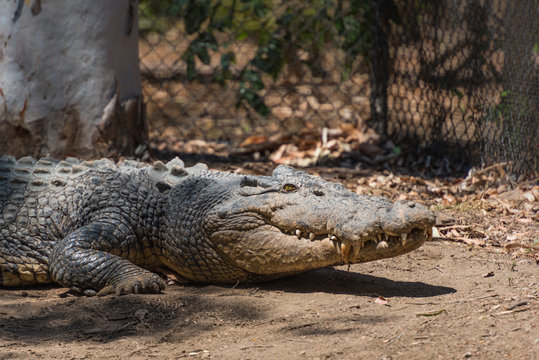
point(78, 291)
point(146, 284)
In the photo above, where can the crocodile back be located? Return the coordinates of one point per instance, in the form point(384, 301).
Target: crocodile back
point(43, 200)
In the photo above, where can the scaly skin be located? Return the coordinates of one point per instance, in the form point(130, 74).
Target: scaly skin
point(100, 228)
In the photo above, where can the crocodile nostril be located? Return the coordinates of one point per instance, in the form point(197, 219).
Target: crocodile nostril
point(318, 192)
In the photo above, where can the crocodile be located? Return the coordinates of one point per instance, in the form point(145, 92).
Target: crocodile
point(98, 228)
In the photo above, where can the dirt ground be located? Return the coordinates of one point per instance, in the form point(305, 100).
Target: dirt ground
point(475, 296)
point(443, 301)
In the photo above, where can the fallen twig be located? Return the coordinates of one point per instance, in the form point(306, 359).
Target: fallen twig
point(520, 303)
point(513, 311)
point(256, 346)
point(394, 339)
point(95, 331)
point(440, 270)
point(475, 299)
point(432, 313)
point(456, 226)
point(464, 240)
point(497, 166)
point(520, 245)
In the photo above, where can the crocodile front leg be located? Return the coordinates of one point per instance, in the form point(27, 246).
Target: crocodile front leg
point(85, 261)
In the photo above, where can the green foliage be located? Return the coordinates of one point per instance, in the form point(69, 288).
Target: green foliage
point(250, 83)
point(279, 29)
point(199, 47)
point(152, 11)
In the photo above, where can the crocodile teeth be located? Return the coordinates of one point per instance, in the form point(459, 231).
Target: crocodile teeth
point(429, 232)
point(298, 233)
point(345, 251)
point(337, 244)
point(378, 238)
point(311, 236)
point(382, 245)
point(404, 237)
point(357, 249)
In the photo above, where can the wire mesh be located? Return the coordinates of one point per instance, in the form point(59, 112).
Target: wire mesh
point(455, 79)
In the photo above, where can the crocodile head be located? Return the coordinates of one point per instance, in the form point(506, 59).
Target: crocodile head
point(260, 227)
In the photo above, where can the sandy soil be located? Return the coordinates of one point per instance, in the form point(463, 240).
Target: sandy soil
point(443, 301)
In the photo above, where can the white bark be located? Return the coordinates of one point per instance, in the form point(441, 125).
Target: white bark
point(69, 77)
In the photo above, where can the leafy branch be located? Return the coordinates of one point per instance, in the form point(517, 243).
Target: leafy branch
point(281, 30)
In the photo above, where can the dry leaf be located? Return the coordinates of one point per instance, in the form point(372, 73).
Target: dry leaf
point(254, 140)
point(449, 199)
point(380, 300)
point(535, 192)
point(511, 195)
point(475, 242)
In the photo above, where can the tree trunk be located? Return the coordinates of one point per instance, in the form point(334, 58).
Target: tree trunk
point(69, 78)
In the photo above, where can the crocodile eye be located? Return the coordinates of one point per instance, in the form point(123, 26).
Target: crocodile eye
point(287, 188)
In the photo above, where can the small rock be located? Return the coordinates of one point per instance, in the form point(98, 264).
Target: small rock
point(468, 354)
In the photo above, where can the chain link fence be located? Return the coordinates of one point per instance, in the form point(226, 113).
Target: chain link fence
point(457, 80)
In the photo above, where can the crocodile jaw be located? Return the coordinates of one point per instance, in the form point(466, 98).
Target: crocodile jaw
point(269, 252)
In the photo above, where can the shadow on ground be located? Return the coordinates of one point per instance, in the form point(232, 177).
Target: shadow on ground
point(108, 318)
point(337, 281)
